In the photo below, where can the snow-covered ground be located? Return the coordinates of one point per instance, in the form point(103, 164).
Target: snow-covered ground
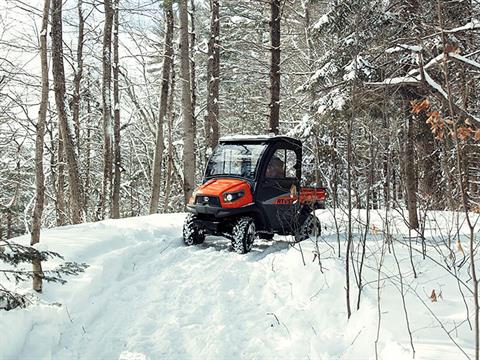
point(146, 296)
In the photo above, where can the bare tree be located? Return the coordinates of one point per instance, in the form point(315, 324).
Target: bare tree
point(116, 117)
point(39, 144)
point(213, 76)
point(107, 110)
point(193, 71)
point(188, 126)
point(275, 67)
point(75, 184)
point(159, 145)
point(170, 118)
point(410, 173)
point(78, 75)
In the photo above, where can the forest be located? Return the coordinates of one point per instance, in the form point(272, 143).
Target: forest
point(110, 109)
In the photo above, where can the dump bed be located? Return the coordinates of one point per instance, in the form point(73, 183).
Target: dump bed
point(313, 196)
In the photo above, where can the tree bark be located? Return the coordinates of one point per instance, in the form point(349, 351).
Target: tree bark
point(349, 227)
point(39, 143)
point(61, 205)
point(107, 111)
point(193, 82)
point(75, 184)
point(170, 116)
point(88, 149)
point(213, 76)
point(275, 67)
point(78, 75)
point(429, 164)
point(188, 126)
point(116, 116)
point(159, 147)
point(410, 173)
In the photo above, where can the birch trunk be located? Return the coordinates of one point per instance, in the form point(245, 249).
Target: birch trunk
point(39, 142)
point(170, 117)
point(107, 111)
point(116, 116)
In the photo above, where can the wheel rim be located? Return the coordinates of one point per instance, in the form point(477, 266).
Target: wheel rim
point(250, 236)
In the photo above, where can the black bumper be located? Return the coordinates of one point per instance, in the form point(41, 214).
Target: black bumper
point(219, 212)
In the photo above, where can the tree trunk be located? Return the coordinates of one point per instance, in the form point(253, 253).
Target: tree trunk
point(213, 76)
point(76, 188)
point(193, 82)
point(78, 75)
point(167, 65)
point(107, 111)
point(275, 67)
point(39, 142)
point(88, 153)
point(410, 173)
point(188, 126)
point(61, 206)
point(429, 164)
point(349, 228)
point(116, 116)
point(170, 117)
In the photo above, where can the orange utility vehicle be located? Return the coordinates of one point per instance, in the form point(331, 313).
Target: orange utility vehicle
point(252, 188)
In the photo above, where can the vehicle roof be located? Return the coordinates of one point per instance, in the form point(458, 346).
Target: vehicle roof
point(257, 138)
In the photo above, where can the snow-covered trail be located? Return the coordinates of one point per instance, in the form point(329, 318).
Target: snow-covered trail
point(146, 296)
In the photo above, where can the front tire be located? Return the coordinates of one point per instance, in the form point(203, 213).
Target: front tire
point(311, 227)
point(192, 233)
point(243, 235)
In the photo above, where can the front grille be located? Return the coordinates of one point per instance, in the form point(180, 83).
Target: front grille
point(207, 200)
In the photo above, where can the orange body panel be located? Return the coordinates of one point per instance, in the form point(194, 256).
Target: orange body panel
point(307, 196)
point(218, 187)
point(311, 195)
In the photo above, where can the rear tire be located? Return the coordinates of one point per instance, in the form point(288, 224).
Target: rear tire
point(311, 227)
point(192, 233)
point(243, 235)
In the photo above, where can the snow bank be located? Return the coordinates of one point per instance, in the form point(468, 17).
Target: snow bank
point(146, 296)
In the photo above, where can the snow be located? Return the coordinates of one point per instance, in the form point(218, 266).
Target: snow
point(328, 69)
point(322, 21)
point(356, 65)
point(465, 60)
point(472, 25)
point(398, 80)
point(246, 137)
point(146, 296)
point(435, 85)
point(402, 47)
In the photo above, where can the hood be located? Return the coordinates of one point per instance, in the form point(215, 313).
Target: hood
point(216, 187)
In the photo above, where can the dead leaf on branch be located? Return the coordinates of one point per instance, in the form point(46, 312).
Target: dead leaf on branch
point(477, 135)
point(464, 133)
point(437, 124)
point(419, 105)
point(459, 246)
point(433, 296)
point(452, 48)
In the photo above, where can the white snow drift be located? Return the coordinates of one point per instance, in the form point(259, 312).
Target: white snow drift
point(146, 296)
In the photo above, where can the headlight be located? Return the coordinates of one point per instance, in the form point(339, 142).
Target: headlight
point(230, 197)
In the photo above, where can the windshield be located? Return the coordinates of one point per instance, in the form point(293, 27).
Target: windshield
point(235, 159)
